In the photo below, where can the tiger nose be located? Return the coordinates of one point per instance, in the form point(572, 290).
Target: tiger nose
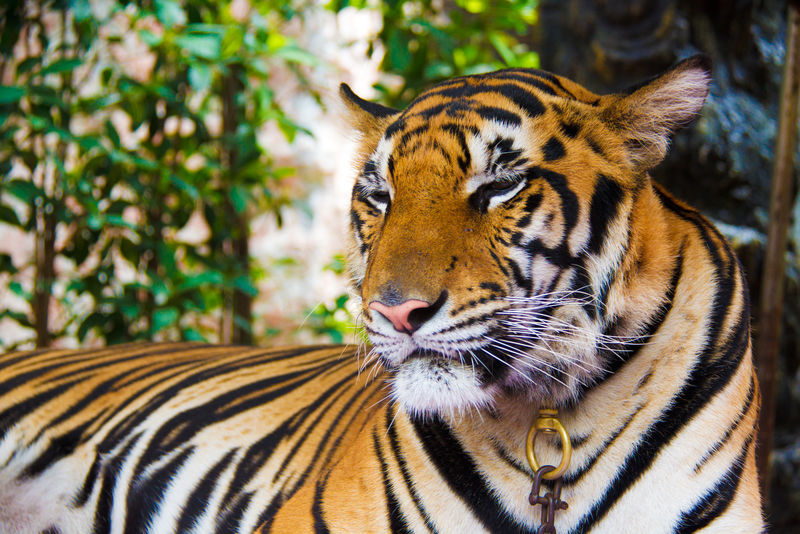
point(400, 315)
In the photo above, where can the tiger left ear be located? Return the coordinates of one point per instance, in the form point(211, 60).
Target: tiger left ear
point(365, 116)
point(647, 114)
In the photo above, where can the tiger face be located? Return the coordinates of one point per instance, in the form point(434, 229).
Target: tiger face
point(505, 234)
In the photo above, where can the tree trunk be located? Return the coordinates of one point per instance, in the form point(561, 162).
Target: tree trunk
point(771, 299)
point(45, 271)
point(237, 305)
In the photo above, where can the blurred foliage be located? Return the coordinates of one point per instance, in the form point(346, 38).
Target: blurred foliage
point(428, 41)
point(113, 202)
point(334, 321)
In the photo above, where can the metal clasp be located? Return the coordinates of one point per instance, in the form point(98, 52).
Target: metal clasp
point(549, 423)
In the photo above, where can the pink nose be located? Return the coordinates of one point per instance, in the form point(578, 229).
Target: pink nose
point(399, 314)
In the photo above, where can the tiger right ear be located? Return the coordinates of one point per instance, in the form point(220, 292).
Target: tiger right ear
point(365, 116)
point(647, 114)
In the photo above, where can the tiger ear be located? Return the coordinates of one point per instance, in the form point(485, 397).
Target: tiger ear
point(647, 114)
point(365, 116)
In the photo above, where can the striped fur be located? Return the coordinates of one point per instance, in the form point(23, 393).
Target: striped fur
point(516, 208)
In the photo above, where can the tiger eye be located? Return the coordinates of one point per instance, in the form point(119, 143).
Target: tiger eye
point(381, 197)
point(501, 186)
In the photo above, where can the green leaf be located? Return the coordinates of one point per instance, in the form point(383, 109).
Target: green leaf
point(336, 264)
point(61, 65)
point(474, 6)
point(164, 317)
point(212, 278)
point(94, 320)
point(16, 288)
point(166, 257)
point(24, 190)
point(170, 13)
point(192, 334)
point(112, 134)
point(28, 64)
point(81, 9)
point(94, 221)
point(201, 45)
point(341, 300)
point(9, 216)
point(243, 284)
point(117, 220)
point(496, 38)
point(10, 93)
point(184, 186)
point(20, 318)
point(200, 76)
point(399, 55)
point(130, 310)
point(438, 70)
point(150, 39)
point(239, 197)
point(7, 264)
point(294, 54)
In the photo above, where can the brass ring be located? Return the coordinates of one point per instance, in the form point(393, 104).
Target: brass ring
point(548, 422)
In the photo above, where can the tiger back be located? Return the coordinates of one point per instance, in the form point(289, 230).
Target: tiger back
point(510, 252)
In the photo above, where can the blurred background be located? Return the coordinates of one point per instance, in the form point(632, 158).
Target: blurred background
point(177, 169)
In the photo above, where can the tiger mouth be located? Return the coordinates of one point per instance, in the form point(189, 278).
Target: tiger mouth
point(432, 355)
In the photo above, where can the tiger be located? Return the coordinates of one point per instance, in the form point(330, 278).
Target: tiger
point(511, 253)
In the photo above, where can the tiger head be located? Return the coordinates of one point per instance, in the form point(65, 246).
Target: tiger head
point(506, 240)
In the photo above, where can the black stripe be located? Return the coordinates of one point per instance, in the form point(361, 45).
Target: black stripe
point(146, 494)
point(605, 203)
point(519, 278)
point(198, 501)
point(465, 158)
point(717, 499)
point(377, 110)
point(110, 471)
point(231, 516)
point(394, 443)
point(570, 129)
point(520, 96)
point(397, 523)
point(731, 428)
point(58, 448)
point(553, 150)
point(498, 115)
point(13, 414)
point(320, 526)
point(549, 76)
point(395, 127)
point(569, 200)
point(528, 78)
point(88, 483)
point(460, 471)
point(574, 477)
point(411, 134)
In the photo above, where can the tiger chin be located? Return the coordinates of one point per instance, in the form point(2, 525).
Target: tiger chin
point(511, 253)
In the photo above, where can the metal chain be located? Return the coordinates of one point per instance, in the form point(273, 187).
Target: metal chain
point(550, 502)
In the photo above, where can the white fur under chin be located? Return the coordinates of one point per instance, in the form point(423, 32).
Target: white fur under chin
point(427, 386)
